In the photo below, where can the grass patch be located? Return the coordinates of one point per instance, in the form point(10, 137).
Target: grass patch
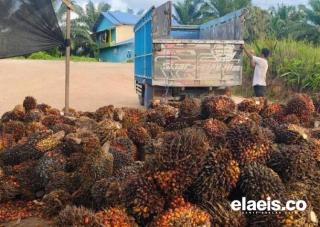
point(45, 56)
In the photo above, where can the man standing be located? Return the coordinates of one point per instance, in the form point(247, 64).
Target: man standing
point(260, 65)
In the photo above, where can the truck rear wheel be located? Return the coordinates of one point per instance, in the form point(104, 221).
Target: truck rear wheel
point(141, 100)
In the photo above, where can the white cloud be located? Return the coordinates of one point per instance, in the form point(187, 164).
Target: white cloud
point(146, 4)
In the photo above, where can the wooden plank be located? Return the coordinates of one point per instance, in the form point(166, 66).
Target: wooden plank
point(68, 3)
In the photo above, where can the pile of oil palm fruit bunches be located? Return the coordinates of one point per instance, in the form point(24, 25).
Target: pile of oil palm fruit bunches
point(172, 165)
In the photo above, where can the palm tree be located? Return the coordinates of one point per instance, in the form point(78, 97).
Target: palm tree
point(83, 42)
point(82, 26)
point(188, 12)
point(219, 8)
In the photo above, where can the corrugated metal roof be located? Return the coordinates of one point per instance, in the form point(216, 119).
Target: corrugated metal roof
point(117, 18)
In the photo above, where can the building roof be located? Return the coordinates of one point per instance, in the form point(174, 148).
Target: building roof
point(118, 18)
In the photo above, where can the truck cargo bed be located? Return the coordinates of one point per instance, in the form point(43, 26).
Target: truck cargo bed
point(197, 63)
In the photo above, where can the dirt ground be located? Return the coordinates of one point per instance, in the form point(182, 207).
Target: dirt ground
point(93, 85)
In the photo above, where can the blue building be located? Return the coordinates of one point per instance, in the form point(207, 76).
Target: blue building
point(115, 36)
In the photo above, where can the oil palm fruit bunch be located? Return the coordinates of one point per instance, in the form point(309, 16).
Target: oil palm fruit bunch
point(177, 125)
point(115, 217)
point(244, 118)
point(170, 113)
point(157, 117)
point(56, 201)
point(132, 117)
point(6, 141)
point(153, 129)
point(302, 106)
point(293, 162)
point(9, 188)
point(124, 145)
point(105, 112)
point(35, 127)
point(51, 120)
point(190, 109)
point(218, 107)
point(218, 177)
point(118, 114)
point(64, 127)
point(171, 182)
point(290, 134)
point(95, 167)
point(29, 103)
point(107, 192)
point(260, 182)
point(86, 124)
point(128, 171)
point(143, 200)
point(187, 215)
point(82, 141)
point(222, 215)
point(61, 180)
point(107, 130)
point(215, 130)
point(248, 143)
point(314, 191)
point(76, 216)
point(15, 128)
point(89, 142)
point(27, 176)
point(34, 115)
point(44, 108)
point(46, 141)
point(185, 151)
point(291, 119)
point(75, 161)
point(252, 105)
point(299, 191)
point(178, 201)
point(18, 154)
point(49, 163)
point(120, 159)
point(274, 110)
point(139, 135)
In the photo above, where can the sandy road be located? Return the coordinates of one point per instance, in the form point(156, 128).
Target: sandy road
point(92, 84)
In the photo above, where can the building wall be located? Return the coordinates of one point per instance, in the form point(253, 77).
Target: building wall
point(124, 32)
point(117, 53)
point(104, 25)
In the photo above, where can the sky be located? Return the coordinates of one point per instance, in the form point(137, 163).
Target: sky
point(145, 4)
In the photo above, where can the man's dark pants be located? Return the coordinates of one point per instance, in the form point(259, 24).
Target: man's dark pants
point(260, 91)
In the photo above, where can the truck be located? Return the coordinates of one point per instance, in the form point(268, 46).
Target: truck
point(174, 61)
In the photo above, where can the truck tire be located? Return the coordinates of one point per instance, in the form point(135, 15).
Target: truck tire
point(141, 100)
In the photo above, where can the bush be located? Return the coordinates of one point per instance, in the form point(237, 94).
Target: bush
point(293, 66)
point(41, 56)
